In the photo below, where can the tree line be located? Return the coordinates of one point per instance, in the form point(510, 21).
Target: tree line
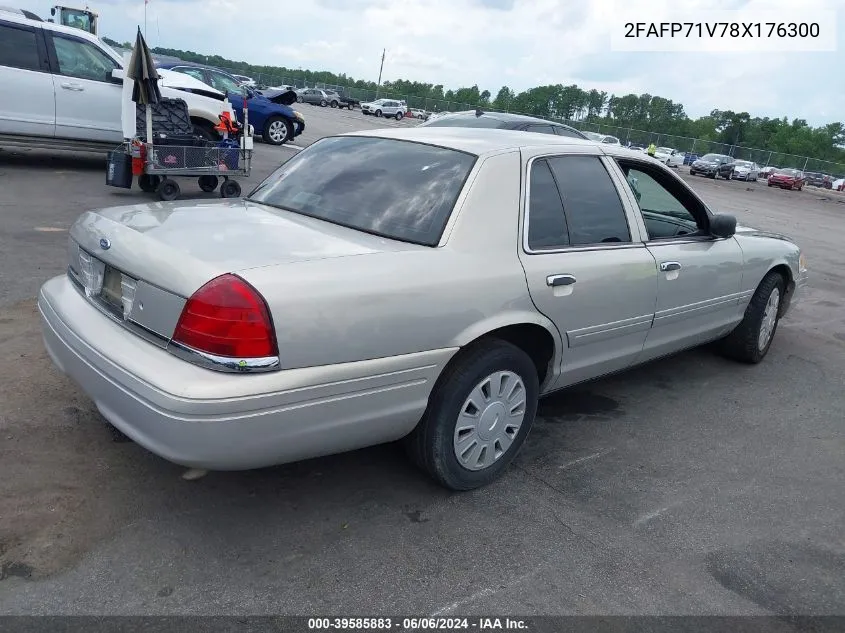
point(646, 112)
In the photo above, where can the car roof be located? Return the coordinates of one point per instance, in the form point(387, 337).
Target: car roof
point(195, 65)
point(482, 141)
point(501, 116)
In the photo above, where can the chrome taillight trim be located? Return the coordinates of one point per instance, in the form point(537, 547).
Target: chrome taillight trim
point(224, 363)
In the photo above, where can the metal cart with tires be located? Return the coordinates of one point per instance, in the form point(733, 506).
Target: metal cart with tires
point(208, 164)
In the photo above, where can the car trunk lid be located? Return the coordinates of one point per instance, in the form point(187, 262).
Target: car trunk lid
point(180, 246)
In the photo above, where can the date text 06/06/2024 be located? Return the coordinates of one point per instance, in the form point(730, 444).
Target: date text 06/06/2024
point(417, 624)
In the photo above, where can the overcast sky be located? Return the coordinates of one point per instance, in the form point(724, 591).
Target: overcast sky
point(519, 43)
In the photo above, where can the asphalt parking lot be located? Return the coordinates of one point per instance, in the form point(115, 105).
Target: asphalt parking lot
point(693, 485)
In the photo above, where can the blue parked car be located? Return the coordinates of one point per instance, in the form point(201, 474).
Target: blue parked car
point(271, 117)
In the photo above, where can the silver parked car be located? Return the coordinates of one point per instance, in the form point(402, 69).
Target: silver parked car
point(324, 98)
point(745, 170)
point(428, 284)
point(385, 107)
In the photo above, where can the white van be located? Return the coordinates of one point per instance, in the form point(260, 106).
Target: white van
point(61, 87)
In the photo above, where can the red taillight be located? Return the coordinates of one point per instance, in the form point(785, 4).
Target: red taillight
point(227, 317)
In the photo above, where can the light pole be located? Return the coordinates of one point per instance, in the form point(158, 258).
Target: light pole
point(381, 68)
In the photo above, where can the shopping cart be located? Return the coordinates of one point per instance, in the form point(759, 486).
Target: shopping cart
point(208, 163)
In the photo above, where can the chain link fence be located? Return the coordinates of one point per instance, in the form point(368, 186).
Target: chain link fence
point(626, 135)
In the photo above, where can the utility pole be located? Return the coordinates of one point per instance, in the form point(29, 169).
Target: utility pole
point(381, 68)
point(145, 18)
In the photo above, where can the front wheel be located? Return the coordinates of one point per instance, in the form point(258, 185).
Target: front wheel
point(207, 183)
point(168, 190)
point(277, 130)
point(323, 103)
point(334, 104)
point(750, 341)
point(478, 416)
point(378, 112)
point(350, 106)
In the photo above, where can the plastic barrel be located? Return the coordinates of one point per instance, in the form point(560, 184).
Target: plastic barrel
point(119, 169)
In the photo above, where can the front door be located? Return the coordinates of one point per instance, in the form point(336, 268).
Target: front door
point(587, 271)
point(88, 99)
point(699, 276)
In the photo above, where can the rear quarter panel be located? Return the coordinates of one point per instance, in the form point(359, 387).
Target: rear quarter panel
point(391, 303)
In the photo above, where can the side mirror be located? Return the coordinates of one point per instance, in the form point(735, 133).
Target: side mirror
point(116, 76)
point(723, 225)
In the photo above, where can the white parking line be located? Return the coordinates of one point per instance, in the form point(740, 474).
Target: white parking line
point(292, 146)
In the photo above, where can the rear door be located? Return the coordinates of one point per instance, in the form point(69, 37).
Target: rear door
point(88, 99)
point(586, 267)
point(699, 276)
point(27, 99)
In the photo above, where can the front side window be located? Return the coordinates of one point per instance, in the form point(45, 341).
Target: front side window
point(224, 83)
point(398, 189)
point(82, 60)
point(594, 211)
point(560, 130)
point(196, 73)
point(18, 48)
point(668, 209)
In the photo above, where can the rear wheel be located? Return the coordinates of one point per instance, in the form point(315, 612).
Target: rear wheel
point(205, 131)
point(750, 341)
point(207, 183)
point(168, 190)
point(334, 104)
point(148, 183)
point(350, 106)
point(230, 189)
point(399, 116)
point(277, 130)
point(478, 416)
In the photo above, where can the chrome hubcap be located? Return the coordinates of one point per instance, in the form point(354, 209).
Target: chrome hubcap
point(278, 131)
point(770, 317)
point(489, 420)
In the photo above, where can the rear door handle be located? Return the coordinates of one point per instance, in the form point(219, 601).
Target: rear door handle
point(74, 87)
point(670, 266)
point(560, 280)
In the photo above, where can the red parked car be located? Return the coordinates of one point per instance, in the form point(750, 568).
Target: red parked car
point(787, 179)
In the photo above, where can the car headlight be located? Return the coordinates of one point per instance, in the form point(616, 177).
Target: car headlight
point(298, 115)
point(802, 263)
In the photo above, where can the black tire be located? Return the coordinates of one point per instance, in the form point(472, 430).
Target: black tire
point(205, 131)
point(399, 116)
point(335, 104)
point(168, 190)
point(148, 183)
point(430, 444)
point(299, 99)
point(323, 103)
point(350, 106)
point(743, 343)
point(230, 189)
point(378, 112)
point(207, 183)
point(272, 131)
point(691, 172)
point(715, 175)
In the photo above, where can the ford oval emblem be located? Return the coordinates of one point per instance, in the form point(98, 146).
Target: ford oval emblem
point(104, 243)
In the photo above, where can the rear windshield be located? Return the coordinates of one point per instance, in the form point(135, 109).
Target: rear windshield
point(466, 121)
point(397, 189)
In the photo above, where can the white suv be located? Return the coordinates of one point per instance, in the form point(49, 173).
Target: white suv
point(385, 107)
point(61, 87)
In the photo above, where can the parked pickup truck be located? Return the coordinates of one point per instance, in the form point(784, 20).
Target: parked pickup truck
point(68, 88)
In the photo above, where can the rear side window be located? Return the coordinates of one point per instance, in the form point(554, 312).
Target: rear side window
point(465, 121)
point(18, 48)
point(546, 221)
point(540, 129)
point(398, 189)
point(594, 211)
point(565, 131)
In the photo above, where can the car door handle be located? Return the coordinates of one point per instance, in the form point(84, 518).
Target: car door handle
point(560, 280)
point(74, 87)
point(670, 266)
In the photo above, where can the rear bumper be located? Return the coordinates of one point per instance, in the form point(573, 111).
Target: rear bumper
point(204, 419)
